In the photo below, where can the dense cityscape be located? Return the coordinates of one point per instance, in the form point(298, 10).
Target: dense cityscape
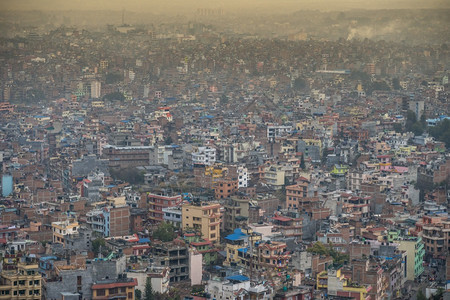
point(304, 156)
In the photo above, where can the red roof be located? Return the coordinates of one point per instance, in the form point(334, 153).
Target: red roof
point(281, 218)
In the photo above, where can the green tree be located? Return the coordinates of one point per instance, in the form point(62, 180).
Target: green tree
point(302, 162)
point(130, 175)
point(138, 294)
point(149, 293)
point(112, 78)
point(441, 132)
point(114, 96)
point(97, 244)
point(299, 83)
point(421, 296)
point(223, 99)
point(168, 140)
point(165, 232)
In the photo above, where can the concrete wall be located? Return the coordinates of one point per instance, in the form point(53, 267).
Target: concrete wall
point(195, 268)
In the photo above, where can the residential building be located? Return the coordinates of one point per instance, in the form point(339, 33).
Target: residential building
point(174, 255)
point(62, 229)
point(122, 288)
point(156, 203)
point(415, 252)
point(204, 156)
point(21, 283)
point(127, 156)
point(203, 218)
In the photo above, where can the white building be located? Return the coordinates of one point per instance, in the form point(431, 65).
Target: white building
point(232, 288)
point(242, 177)
point(204, 156)
point(274, 131)
point(172, 215)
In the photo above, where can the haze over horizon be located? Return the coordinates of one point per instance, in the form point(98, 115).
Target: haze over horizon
point(178, 6)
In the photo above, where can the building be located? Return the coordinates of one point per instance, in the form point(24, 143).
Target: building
point(224, 188)
point(289, 223)
point(110, 221)
point(295, 193)
point(204, 156)
point(62, 229)
point(21, 283)
point(276, 131)
point(232, 287)
point(174, 255)
point(156, 203)
point(336, 284)
point(173, 215)
point(203, 218)
point(127, 156)
point(96, 88)
point(436, 235)
point(122, 288)
point(415, 253)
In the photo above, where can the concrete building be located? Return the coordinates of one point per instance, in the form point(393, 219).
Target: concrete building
point(173, 215)
point(174, 255)
point(21, 283)
point(127, 156)
point(204, 156)
point(295, 193)
point(156, 203)
point(110, 221)
point(62, 229)
point(204, 218)
point(122, 288)
point(415, 253)
point(159, 277)
point(232, 287)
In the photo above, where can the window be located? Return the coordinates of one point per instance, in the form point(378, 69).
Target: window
point(130, 295)
point(101, 292)
point(30, 282)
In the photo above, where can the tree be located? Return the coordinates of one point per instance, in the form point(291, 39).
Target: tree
point(131, 175)
point(165, 232)
point(114, 96)
point(421, 296)
point(149, 294)
point(223, 99)
point(96, 244)
point(396, 83)
point(138, 294)
point(299, 83)
point(302, 162)
point(168, 140)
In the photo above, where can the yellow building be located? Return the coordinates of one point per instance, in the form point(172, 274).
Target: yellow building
point(203, 218)
point(23, 283)
point(98, 104)
point(238, 244)
point(114, 289)
point(62, 229)
point(336, 284)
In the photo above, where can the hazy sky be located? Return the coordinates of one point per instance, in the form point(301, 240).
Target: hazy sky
point(177, 6)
